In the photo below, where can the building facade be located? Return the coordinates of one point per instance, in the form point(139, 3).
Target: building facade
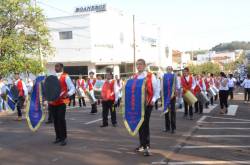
point(98, 37)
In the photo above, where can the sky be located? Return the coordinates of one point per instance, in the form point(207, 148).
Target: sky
point(185, 24)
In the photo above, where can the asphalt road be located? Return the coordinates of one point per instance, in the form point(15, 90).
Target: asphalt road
point(88, 144)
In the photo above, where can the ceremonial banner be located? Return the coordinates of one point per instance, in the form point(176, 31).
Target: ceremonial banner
point(134, 105)
point(35, 113)
point(169, 81)
point(10, 100)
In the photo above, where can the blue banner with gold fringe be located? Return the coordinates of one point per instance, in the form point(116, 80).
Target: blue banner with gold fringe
point(168, 90)
point(35, 113)
point(134, 105)
point(10, 100)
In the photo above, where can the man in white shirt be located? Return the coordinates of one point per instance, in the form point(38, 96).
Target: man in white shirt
point(58, 107)
point(152, 94)
point(231, 84)
point(246, 85)
point(1, 94)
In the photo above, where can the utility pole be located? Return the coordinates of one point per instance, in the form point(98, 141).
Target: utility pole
point(134, 46)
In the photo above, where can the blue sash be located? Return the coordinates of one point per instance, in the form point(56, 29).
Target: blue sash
point(35, 113)
point(168, 90)
point(134, 110)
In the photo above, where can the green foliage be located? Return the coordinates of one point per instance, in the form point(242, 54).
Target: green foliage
point(208, 67)
point(232, 46)
point(24, 36)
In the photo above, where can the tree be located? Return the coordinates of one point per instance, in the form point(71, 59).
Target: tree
point(208, 67)
point(24, 37)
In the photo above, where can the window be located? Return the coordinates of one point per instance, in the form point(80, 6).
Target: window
point(66, 35)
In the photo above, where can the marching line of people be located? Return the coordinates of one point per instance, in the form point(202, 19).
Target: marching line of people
point(196, 91)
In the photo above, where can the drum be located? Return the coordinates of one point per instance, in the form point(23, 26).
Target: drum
point(98, 94)
point(216, 90)
point(51, 88)
point(189, 98)
point(80, 92)
point(204, 98)
point(212, 91)
point(91, 97)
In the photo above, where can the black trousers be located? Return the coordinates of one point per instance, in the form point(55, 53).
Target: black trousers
point(198, 107)
point(58, 113)
point(19, 106)
point(94, 108)
point(82, 102)
point(247, 94)
point(72, 99)
point(231, 92)
point(223, 94)
point(170, 116)
point(106, 107)
point(216, 97)
point(188, 109)
point(50, 116)
point(144, 133)
point(212, 100)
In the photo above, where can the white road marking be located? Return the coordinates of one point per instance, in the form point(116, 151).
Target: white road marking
point(232, 109)
point(220, 136)
point(209, 162)
point(94, 121)
point(214, 146)
point(228, 118)
point(227, 122)
point(202, 119)
point(221, 128)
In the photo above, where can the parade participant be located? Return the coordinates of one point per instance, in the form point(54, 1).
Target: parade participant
point(118, 91)
point(108, 98)
point(188, 84)
point(246, 85)
point(159, 89)
point(58, 107)
point(231, 84)
point(211, 81)
point(22, 93)
point(2, 92)
point(180, 99)
point(90, 86)
point(207, 86)
point(152, 94)
point(29, 85)
point(199, 87)
point(80, 86)
point(72, 98)
point(223, 93)
point(170, 88)
point(98, 88)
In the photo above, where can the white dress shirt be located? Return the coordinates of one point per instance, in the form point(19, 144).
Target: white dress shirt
point(156, 91)
point(224, 87)
point(70, 85)
point(25, 89)
point(246, 83)
point(118, 90)
point(231, 82)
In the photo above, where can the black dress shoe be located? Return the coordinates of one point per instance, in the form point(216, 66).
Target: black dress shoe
point(57, 141)
point(63, 143)
point(114, 125)
point(172, 131)
point(102, 126)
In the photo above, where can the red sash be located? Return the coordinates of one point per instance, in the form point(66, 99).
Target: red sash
point(20, 88)
point(108, 91)
point(187, 85)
